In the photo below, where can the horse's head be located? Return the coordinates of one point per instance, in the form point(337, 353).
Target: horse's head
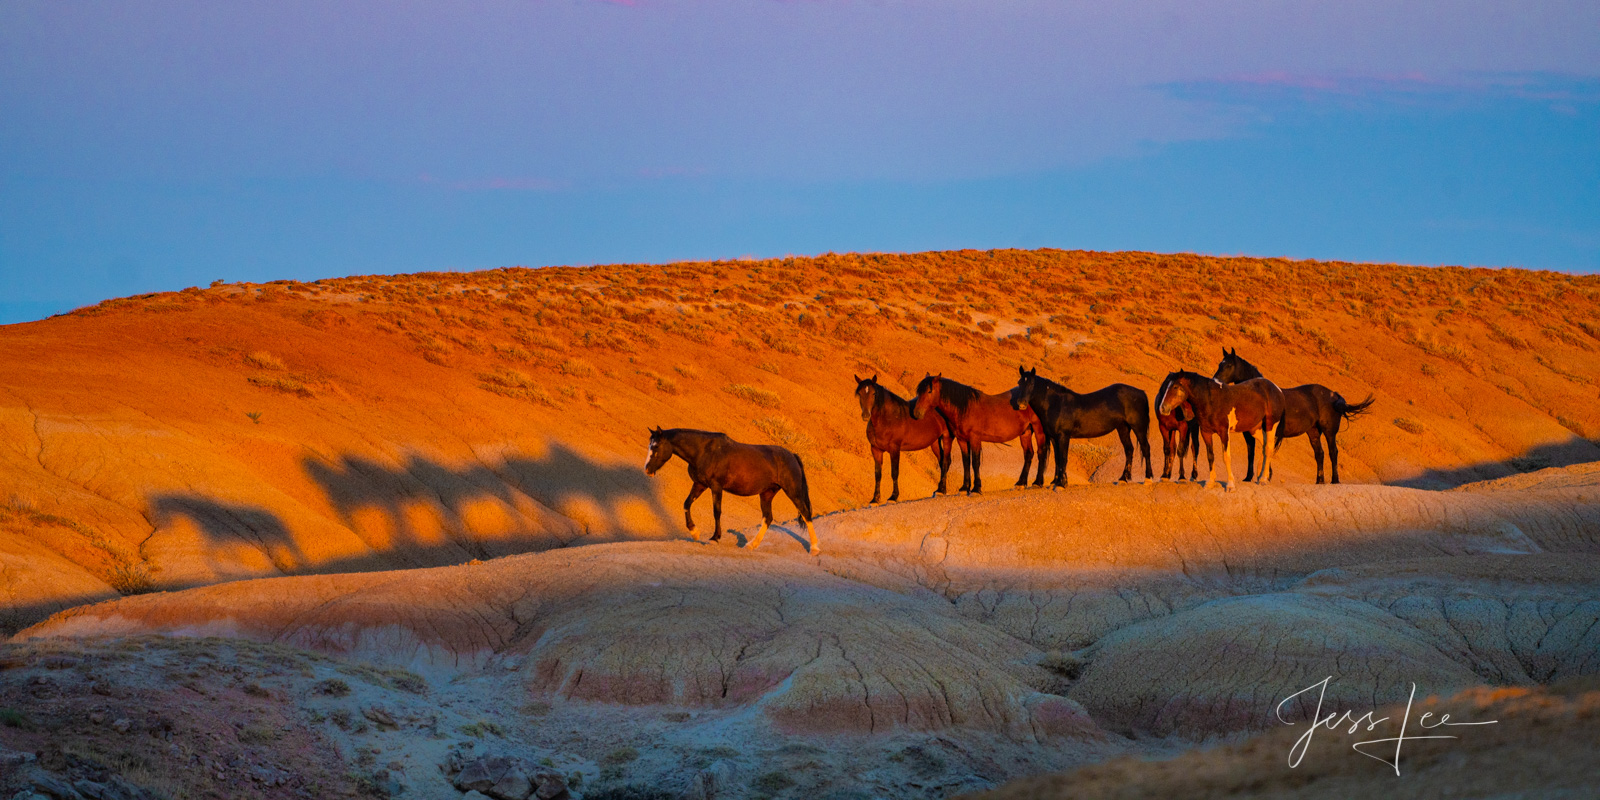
point(1179, 412)
point(1027, 381)
point(1175, 391)
point(866, 394)
point(1231, 368)
point(927, 394)
point(660, 451)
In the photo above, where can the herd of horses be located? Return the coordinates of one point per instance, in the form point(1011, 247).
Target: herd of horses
point(1046, 416)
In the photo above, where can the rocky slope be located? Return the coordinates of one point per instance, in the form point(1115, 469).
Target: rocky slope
point(1028, 624)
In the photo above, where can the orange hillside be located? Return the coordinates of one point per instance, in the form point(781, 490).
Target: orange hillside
point(381, 422)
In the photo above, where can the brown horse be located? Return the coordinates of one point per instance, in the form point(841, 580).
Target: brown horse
point(977, 417)
point(1180, 434)
point(1312, 409)
point(1254, 405)
point(892, 429)
point(721, 464)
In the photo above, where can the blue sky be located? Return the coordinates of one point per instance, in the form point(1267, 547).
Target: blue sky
point(157, 145)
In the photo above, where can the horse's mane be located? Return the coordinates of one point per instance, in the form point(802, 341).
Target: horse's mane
point(1050, 384)
point(959, 394)
point(881, 394)
point(1245, 367)
point(673, 433)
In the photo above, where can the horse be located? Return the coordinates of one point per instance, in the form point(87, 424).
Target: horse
point(977, 417)
point(1064, 414)
point(1180, 433)
point(719, 463)
point(892, 429)
point(1312, 409)
point(1256, 404)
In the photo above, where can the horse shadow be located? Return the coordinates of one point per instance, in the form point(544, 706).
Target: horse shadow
point(225, 523)
point(598, 499)
point(1574, 450)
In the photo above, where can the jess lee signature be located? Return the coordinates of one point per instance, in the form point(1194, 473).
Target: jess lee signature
point(1335, 720)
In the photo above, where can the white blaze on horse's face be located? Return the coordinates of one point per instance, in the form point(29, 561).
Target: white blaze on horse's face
point(651, 457)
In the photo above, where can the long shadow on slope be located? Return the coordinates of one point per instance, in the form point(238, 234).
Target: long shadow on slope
point(598, 499)
point(1575, 450)
point(225, 523)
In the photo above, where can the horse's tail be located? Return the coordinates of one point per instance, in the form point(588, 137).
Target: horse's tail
point(805, 492)
point(1349, 411)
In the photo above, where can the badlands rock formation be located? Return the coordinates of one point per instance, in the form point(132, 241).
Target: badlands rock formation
point(432, 486)
point(1077, 622)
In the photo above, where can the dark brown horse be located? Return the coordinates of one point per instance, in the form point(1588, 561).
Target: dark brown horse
point(978, 417)
point(721, 464)
point(1180, 434)
point(1312, 409)
point(1064, 414)
point(1254, 405)
point(892, 429)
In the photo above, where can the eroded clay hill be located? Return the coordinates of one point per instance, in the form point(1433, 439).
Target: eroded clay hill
point(381, 422)
point(1140, 610)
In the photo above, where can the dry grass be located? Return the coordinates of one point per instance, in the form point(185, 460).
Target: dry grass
point(261, 359)
point(1409, 425)
point(287, 385)
point(754, 394)
point(120, 568)
point(515, 384)
point(577, 368)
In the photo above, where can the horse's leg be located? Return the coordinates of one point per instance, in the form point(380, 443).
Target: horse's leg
point(877, 475)
point(1249, 454)
point(1316, 450)
point(1045, 445)
point(1063, 445)
point(1266, 457)
point(1333, 452)
point(1168, 439)
point(1211, 460)
point(766, 518)
point(976, 450)
point(1144, 451)
point(1027, 458)
point(716, 514)
point(1127, 454)
point(688, 519)
point(1194, 458)
point(966, 466)
point(1227, 458)
point(894, 474)
point(943, 448)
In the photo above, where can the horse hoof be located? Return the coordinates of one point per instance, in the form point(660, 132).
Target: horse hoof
point(1230, 487)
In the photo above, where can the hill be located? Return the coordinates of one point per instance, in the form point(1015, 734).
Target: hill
point(388, 422)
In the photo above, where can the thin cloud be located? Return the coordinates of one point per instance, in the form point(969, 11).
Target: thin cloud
point(497, 183)
point(1248, 87)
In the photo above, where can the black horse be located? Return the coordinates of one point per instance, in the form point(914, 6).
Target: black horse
point(893, 429)
point(721, 464)
point(1311, 409)
point(1065, 414)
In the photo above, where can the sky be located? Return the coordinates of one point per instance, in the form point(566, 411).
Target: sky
point(157, 145)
